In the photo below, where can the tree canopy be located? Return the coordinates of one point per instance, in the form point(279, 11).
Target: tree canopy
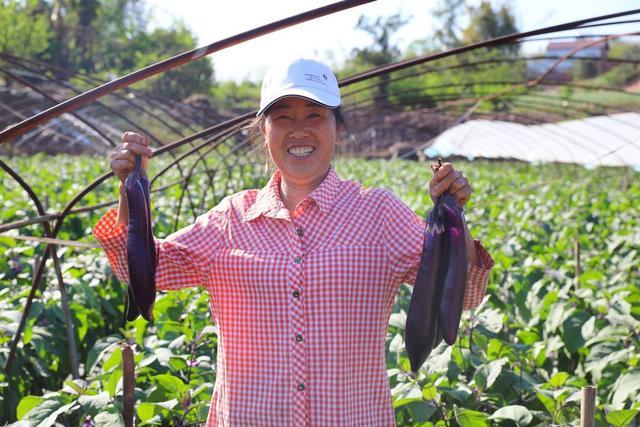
point(103, 38)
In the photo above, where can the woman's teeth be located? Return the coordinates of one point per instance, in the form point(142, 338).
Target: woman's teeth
point(301, 151)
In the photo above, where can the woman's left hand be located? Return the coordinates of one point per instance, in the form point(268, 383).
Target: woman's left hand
point(451, 180)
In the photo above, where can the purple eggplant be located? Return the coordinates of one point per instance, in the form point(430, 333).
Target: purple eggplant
point(455, 274)
point(421, 326)
point(141, 250)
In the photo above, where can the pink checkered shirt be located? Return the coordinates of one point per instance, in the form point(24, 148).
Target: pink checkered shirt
point(301, 300)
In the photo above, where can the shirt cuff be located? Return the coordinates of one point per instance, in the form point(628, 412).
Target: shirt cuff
point(478, 277)
point(107, 233)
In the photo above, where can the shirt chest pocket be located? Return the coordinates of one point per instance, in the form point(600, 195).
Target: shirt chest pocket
point(348, 272)
point(248, 273)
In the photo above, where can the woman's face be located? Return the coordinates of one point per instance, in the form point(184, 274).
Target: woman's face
point(300, 136)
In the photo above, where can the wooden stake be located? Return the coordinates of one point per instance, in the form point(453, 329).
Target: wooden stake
point(588, 407)
point(577, 259)
point(128, 385)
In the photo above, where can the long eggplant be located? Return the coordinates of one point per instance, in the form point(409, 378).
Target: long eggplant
point(455, 277)
point(131, 310)
point(421, 326)
point(438, 294)
point(141, 250)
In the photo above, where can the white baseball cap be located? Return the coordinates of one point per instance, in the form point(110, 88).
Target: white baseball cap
point(302, 77)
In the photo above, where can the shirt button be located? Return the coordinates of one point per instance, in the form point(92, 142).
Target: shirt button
point(296, 294)
point(298, 337)
point(299, 231)
point(301, 387)
point(297, 260)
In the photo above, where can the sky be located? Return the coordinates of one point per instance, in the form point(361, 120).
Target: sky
point(332, 38)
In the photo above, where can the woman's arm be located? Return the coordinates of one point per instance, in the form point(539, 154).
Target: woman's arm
point(472, 252)
point(123, 207)
point(184, 257)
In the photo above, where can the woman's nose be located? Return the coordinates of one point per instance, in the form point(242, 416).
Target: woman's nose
point(298, 131)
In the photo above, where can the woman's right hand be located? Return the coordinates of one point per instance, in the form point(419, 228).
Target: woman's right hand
point(123, 156)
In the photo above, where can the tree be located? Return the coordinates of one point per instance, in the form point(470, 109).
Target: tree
point(178, 83)
point(104, 38)
point(486, 23)
point(24, 31)
point(382, 51)
point(448, 12)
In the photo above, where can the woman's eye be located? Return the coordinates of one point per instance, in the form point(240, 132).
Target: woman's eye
point(283, 117)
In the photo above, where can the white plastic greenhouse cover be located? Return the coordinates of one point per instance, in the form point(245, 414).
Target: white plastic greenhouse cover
point(612, 140)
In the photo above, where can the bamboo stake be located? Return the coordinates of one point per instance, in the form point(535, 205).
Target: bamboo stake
point(588, 407)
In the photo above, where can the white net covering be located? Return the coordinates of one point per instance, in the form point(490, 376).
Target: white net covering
point(612, 140)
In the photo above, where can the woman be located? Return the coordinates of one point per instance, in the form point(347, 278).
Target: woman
point(301, 274)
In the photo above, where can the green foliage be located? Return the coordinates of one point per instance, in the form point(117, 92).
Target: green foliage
point(537, 338)
point(231, 95)
point(487, 23)
point(622, 74)
point(178, 83)
point(448, 12)
point(521, 357)
point(23, 30)
point(105, 38)
point(483, 23)
point(379, 53)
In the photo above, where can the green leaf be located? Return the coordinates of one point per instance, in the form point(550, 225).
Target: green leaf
point(559, 379)
point(112, 382)
point(177, 363)
point(487, 374)
point(626, 387)
point(94, 403)
point(469, 418)
point(519, 414)
point(622, 418)
point(98, 351)
point(171, 384)
point(421, 411)
point(491, 320)
point(572, 330)
point(26, 404)
point(461, 392)
point(146, 410)
point(115, 359)
point(75, 386)
point(587, 330)
point(46, 413)
point(109, 418)
point(438, 361)
point(404, 393)
point(430, 392)
point(547, 401)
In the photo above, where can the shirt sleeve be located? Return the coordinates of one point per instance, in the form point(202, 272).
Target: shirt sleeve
point(403, 237)
point(184, 257)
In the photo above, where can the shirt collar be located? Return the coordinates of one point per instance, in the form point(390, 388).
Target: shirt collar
point(269, 204)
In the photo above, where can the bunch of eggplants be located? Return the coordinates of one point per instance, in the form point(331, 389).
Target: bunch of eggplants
point(438, 294)
point(141, 249)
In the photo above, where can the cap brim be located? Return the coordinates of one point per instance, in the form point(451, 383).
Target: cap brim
point(328, 100)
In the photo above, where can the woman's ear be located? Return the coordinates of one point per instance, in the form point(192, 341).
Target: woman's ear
point(338, 130)
point(261, 125)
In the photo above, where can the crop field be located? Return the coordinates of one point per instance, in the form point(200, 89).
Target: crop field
point(541, 333)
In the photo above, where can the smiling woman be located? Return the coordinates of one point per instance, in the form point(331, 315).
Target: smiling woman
point(302, 274)
point(301, 137)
